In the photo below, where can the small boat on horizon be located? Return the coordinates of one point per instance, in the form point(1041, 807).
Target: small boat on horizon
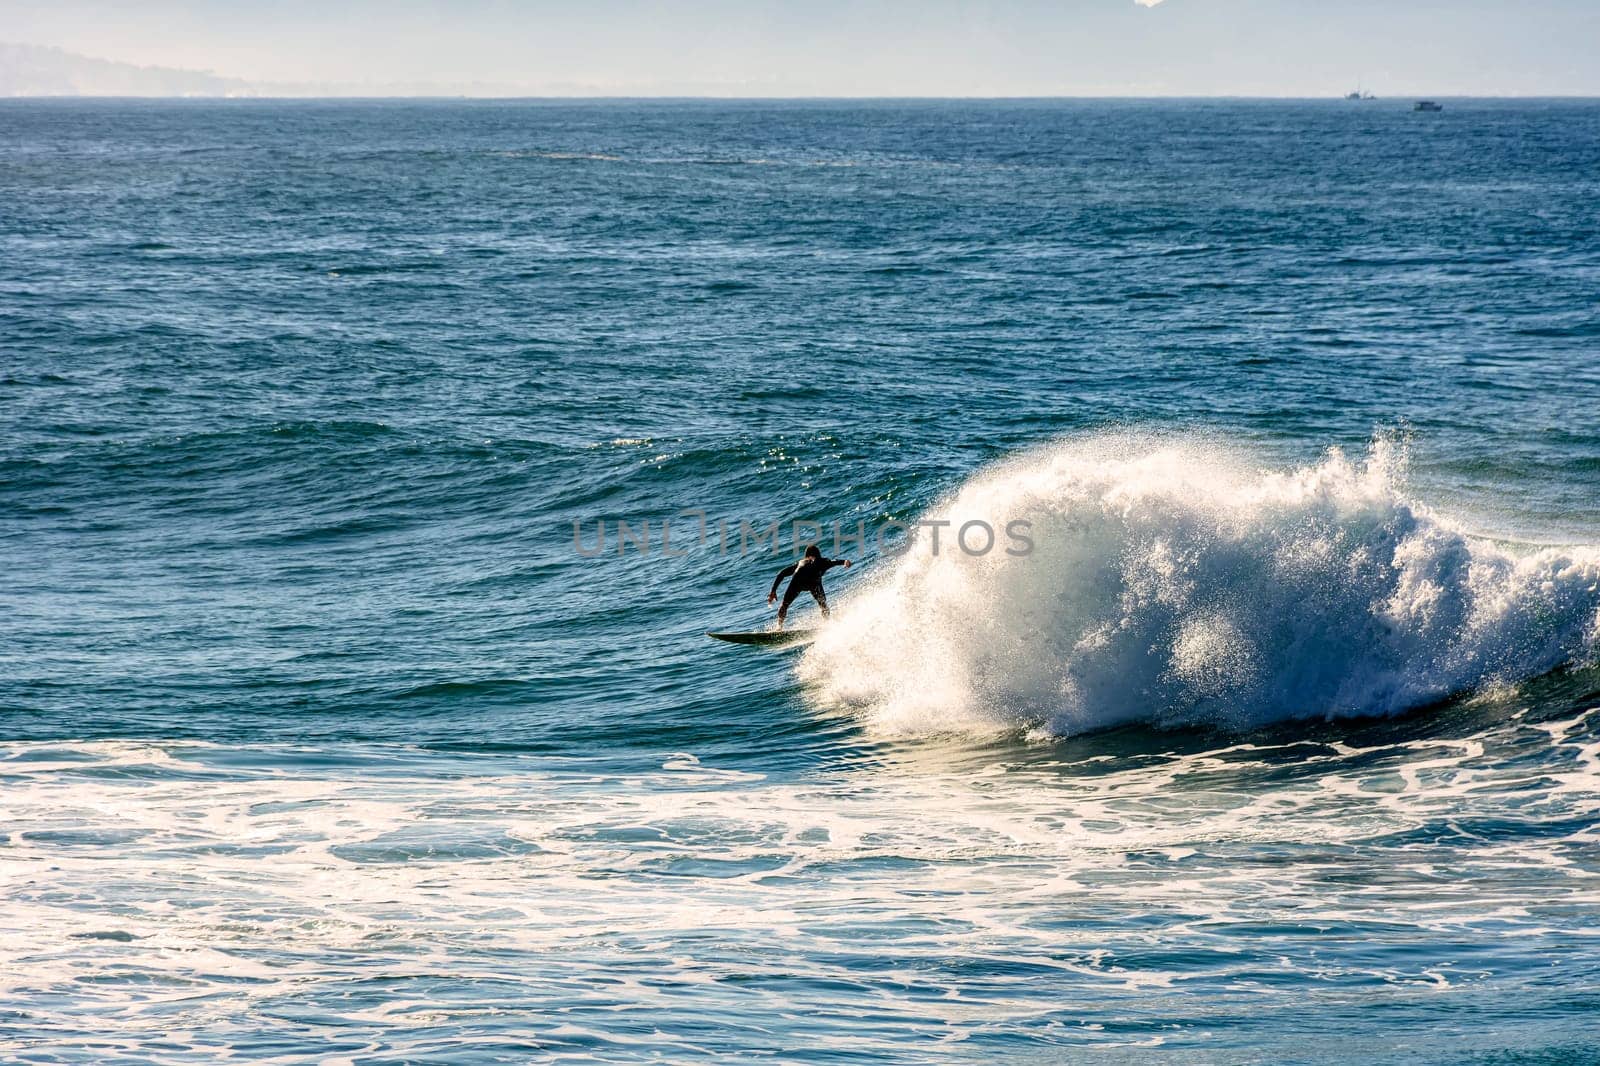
point(1427, 105)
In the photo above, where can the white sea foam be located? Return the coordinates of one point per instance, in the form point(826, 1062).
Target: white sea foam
point(1178, 583)
point(184, 903)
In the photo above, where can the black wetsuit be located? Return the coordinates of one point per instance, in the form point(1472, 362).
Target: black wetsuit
point(807, 578)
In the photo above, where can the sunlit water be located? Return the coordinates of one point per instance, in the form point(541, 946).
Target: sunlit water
point(319, 739)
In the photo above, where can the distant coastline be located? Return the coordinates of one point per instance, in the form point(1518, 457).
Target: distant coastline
point(28, 70)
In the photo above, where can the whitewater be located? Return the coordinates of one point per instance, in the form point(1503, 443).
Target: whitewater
point(1174, 583)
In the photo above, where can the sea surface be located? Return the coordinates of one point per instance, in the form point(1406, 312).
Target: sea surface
point(340, 723)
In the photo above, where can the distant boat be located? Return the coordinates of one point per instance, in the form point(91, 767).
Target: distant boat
point(1428, 105)
point(1359, 95)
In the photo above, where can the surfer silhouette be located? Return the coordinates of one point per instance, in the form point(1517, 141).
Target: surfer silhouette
point(804, 576)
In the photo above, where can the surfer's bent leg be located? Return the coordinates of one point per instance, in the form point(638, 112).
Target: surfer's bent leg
point(788, 597)
point(822, 600)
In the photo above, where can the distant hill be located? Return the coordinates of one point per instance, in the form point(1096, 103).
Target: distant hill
point(42, 70)
point(34, 70)
point(38, 70)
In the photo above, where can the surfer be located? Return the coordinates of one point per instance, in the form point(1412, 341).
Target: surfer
point(804, 576)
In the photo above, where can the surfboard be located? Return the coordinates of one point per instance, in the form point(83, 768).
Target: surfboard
point(768, 637)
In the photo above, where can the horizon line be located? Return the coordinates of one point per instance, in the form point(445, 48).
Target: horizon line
point(797, 98)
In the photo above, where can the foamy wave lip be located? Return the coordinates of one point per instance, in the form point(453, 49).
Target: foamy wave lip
point(1175, 584)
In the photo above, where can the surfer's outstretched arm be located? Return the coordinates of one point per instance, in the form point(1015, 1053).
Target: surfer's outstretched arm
point(787, 571)
point(829, 564)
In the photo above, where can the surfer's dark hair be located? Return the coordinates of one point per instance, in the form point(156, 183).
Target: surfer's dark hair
point(813, 552)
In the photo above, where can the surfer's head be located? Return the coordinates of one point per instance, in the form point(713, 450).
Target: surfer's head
point(813, 552)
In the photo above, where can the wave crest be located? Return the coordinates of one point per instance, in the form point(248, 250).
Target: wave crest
point(1176, 584)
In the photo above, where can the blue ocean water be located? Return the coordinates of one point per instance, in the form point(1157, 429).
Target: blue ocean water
point(324, 735)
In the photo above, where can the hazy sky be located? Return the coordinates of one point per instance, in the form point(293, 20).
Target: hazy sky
point(870, 47)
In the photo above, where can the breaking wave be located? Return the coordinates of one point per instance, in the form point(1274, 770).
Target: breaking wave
point(1179, 584)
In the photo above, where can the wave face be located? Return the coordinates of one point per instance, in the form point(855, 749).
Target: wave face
point(1176, 584)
